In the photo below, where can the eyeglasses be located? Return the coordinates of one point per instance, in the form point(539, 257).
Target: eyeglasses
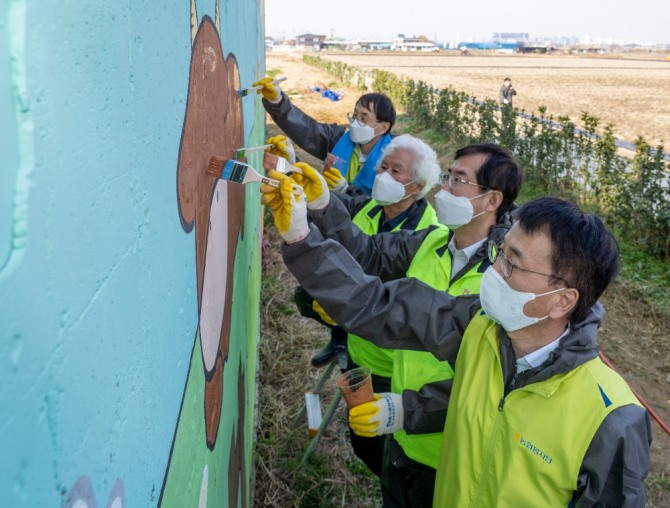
point(457, 181)
point(362, 120)
point(495, 251)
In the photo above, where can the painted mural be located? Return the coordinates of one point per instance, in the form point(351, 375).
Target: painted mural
point(129, 277)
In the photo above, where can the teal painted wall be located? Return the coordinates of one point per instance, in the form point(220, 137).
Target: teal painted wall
point(116, 248)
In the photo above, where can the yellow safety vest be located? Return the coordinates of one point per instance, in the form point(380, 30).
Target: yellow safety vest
point(526, 448)
point(413, 369)
point(363, 352)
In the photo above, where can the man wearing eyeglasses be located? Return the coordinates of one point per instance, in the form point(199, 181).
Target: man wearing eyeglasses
point(535, 418)
point(475, 201)
point(359, 144)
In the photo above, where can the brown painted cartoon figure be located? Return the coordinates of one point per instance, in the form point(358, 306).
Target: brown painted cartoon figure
point(213, 125)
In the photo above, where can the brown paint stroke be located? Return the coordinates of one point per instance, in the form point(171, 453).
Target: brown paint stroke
point(213, 125)
point(237, 472)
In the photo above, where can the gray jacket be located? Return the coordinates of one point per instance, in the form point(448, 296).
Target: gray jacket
point(406, 313)
point(389, 256)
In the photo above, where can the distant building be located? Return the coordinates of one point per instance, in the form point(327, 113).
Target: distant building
point(311, 40)
point(336, 44)
point(503, 47)
point(402, 43)
point(372, 44)
point(510, 37)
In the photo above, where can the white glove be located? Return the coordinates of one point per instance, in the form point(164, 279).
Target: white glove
point(270, 91)
point(316, 187)
point(288, 205)
point(505, 101)
point(384, 415)
point(282, 148)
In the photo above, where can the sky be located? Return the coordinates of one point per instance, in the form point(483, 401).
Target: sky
point(465, 21)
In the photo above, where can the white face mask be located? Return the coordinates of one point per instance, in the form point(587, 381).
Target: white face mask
point(361, 133)
point(386, 190)
point(505, 305)
point(453, 211)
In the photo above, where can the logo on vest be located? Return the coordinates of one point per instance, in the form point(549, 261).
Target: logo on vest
point(531, 447)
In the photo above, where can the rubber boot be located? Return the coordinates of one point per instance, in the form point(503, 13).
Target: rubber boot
point(336, 344)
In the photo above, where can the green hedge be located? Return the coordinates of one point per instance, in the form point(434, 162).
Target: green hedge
point(632, 194)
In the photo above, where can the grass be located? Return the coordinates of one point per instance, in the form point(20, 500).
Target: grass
point(332, 476)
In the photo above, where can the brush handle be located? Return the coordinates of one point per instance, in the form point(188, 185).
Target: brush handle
point(297, 190)
point(272, 161)
point(258, 87)
point(254, 148)
point(270, 181)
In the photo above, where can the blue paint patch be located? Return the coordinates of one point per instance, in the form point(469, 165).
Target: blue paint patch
point(606, 399)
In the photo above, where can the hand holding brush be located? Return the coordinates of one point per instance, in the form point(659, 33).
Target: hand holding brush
point(267, 86)
point(315, 186)
point(288, 209)
point(281, 146)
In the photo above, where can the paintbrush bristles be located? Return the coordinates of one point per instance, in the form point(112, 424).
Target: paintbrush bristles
point(215, 167)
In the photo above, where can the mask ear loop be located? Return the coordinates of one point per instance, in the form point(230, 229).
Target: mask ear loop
point(480, 196)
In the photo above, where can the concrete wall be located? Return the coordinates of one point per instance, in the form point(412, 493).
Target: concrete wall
point(129, 278)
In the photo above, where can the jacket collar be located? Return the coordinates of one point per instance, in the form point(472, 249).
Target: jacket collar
point(579, 346)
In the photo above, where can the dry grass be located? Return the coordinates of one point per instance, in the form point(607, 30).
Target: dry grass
point(333, 476)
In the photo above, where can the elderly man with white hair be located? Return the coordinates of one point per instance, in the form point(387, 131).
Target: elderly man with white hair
point(406, 171)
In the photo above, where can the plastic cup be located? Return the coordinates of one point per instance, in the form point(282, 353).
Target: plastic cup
point(356, 386)
point(333, 161)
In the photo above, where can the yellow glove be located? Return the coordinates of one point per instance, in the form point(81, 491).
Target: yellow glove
point(322, 313)
point(270, 91)
point(316, 188)
point(282, 148)
point(383, 415)
point(288, 206)
point(335, 180)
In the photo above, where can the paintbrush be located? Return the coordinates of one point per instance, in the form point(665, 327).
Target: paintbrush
point(242, 152)
point(246, 91)
point(239, 172)
point(236, 171)
point(279, 164)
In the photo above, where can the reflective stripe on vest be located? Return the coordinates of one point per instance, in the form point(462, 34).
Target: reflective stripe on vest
point(413, 369)
point(525, 449)
point(361, 351)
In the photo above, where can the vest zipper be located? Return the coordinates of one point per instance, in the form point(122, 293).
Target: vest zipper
point(489, 451)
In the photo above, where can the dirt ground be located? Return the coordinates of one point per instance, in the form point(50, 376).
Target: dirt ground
point(636, 341)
